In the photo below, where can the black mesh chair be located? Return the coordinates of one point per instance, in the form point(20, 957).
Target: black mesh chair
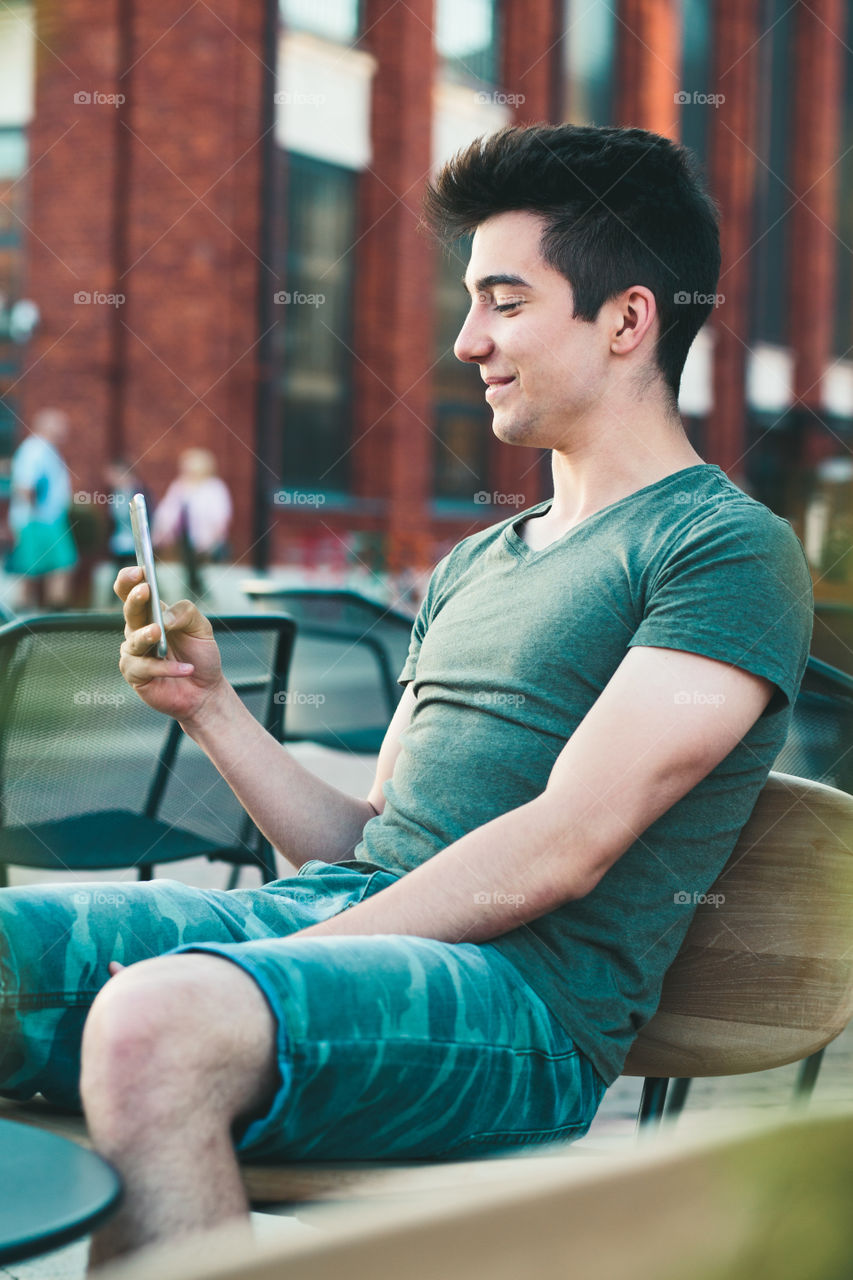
point(92, 779)
point(342, 690)
point(819, 746)
point(342, 611)
point(349, 651)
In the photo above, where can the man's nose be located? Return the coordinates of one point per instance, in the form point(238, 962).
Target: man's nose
point(473, 342)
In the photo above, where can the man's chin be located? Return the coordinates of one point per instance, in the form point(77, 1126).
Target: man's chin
point(511, 431)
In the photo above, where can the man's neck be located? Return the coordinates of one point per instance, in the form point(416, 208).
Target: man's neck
point(583, 488)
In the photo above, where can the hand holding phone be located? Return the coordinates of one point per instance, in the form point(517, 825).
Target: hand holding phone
point(145, 560)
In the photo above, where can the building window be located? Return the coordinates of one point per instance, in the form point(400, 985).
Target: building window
point(315, 334)
point(337, 20)
point(589, 43)
point(774, 200)
point(463, 420)
point(466, 36)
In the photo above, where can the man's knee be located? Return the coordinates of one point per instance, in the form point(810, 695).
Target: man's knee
point(178, 1031)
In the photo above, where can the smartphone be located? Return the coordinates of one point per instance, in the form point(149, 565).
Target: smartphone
point(145, 560)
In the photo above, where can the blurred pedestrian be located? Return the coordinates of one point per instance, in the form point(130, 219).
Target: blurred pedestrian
point(122, 484)
point(44, 551)
point(194, 516)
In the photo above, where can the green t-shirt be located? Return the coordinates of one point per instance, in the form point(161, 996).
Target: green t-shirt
point(510, 650)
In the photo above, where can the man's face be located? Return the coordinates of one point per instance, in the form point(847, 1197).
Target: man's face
point(545, 370)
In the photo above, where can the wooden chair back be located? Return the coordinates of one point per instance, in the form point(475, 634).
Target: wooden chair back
point(765, 975)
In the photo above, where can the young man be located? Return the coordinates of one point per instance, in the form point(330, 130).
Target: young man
point(595, 693)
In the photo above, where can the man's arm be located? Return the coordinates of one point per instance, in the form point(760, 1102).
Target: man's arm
point(301, 815)
point(665, 720)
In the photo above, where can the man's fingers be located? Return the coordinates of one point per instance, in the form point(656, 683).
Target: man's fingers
point(136, 607)
point(114, 968)
point(139, 641)
point(126, 580)
point(139, 670)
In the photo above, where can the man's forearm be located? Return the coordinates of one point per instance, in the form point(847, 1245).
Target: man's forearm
point(301, 815)
point(513, 869)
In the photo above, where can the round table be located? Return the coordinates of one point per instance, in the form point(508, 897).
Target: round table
point(52, 1191)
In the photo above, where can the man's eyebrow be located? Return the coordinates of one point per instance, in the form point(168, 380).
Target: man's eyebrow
point(488, 282)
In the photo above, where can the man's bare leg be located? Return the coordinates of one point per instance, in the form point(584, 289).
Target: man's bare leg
point(174, 1050)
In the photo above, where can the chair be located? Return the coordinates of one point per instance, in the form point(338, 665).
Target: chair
point(766, 977)
point(343, 689)
point(92, 779)
point(342, 610)
point(349, 651)
point(730, 1206)
point(819, 746)
point(762, 980)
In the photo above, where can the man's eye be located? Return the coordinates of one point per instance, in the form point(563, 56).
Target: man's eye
point(504, 307)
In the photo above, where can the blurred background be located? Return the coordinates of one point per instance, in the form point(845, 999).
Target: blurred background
point(209, 242)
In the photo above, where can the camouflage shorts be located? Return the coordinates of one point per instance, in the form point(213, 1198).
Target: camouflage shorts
point(388, 1046)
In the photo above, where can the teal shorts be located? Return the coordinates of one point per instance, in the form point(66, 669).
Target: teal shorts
point(388, 1046)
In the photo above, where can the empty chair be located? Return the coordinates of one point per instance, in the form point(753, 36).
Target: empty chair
point(93, 779)
point(344, 610)
point(342, 690)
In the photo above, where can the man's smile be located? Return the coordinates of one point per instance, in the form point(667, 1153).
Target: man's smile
point(495, 385)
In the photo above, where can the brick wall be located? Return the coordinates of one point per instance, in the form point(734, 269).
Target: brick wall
point(154, 200)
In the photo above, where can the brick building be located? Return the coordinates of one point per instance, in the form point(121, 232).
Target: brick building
point(215, 210)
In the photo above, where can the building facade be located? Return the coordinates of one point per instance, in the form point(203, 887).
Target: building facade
point(215, 212)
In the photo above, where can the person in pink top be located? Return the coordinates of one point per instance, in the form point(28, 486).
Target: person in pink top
point(194, 515)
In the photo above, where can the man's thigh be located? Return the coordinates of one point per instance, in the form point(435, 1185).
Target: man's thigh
point(401, 1047)
point(57, 940)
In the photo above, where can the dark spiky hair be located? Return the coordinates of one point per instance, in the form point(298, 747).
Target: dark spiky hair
point(621, 206)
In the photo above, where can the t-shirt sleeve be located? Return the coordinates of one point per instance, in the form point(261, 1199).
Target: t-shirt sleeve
point(422, 621)
point(737, 588)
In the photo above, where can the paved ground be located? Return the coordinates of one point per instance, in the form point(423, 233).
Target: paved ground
point(614, 1125)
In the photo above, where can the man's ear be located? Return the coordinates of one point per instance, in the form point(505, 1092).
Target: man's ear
point(636, 315)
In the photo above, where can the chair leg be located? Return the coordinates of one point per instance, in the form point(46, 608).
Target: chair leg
point(677, 1096)
point(145, 871)
point(806, 1078)
point(234, 876)
point(4, 876)
point(652, 1102)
